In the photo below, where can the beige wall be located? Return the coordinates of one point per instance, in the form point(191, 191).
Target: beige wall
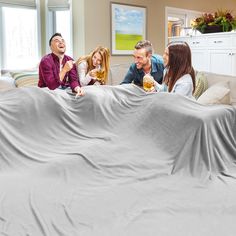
point(156, 31)
point(96, 26)
point(91, 21)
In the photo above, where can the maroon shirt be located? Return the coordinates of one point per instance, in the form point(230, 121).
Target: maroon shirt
point(49, 69)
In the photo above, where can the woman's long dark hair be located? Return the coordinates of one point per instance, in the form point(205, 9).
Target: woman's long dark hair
point(180, 63)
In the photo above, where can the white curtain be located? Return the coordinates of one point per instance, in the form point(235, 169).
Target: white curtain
point(25, 3)
point(58, 4)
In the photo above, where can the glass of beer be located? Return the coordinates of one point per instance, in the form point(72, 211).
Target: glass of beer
point(148, 83)
point(100, 74)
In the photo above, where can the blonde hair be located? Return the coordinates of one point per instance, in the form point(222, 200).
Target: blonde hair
point(105, 62)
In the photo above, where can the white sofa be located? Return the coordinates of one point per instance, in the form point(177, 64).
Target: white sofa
point(217, 80)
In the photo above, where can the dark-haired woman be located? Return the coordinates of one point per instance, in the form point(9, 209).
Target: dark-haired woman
point(179, 74)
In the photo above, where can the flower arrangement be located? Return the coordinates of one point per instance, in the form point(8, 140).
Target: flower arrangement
point(220, 21)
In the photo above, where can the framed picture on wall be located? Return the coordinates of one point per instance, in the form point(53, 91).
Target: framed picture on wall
point(128, 26)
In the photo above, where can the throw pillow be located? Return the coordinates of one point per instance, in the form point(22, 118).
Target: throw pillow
point(26, 78)
point(216, 94)
point(201, 84)
point(5, 85)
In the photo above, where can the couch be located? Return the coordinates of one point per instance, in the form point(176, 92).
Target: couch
point(213, 88)
point(226, 81)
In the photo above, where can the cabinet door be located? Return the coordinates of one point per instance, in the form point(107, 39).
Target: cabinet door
point(198, 42)
point(200, 59)
point(220, 41)
point(220, 61)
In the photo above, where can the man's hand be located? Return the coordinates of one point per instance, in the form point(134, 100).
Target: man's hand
point(79, 91)
point(68, 66)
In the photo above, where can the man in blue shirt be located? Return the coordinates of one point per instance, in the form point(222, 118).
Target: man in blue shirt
point(144, 63)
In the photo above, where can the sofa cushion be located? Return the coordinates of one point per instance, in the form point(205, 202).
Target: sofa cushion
point(117, 73)
point(213, 79)
point(201, 84)
point(5, 85)
point(6, 82)
point(25, 78)
point(216, 94)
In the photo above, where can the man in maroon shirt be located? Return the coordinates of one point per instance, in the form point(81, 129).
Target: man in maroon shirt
point(57, 70)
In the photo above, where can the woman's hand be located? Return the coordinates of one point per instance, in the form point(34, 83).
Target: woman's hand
point(93, 73)
point(99, 82)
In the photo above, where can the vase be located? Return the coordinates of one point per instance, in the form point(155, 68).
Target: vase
point(211, 29)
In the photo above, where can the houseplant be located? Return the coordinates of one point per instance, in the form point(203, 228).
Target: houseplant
point(220, 21)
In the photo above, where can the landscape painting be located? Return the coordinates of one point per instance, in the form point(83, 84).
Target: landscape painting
point(128, 26)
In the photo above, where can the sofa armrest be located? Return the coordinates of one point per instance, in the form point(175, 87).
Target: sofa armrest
point(213, 78)
point(7, 83)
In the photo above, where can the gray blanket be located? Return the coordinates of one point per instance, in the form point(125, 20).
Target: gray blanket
point(116, 162)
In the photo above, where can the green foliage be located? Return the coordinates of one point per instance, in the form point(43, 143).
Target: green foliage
point(223, 20)
point(127, 41)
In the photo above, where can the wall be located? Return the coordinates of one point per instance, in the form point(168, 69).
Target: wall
point(96, 25)
point(91, 22)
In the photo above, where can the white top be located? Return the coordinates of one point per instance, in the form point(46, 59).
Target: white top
point(183, 86)
point(82, 70)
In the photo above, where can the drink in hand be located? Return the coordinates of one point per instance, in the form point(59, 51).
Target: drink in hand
point(99, 73)
point(148, 83)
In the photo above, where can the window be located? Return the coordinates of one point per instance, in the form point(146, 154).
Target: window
point(62, 25)
point(19, 38)
point(19, 34)
point(60, 21)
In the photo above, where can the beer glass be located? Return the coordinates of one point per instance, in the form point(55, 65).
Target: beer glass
point(100, 74)
point(148, 83)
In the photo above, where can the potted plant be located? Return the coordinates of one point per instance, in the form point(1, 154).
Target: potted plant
point(220, 21)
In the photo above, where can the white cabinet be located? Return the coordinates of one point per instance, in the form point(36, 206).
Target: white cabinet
point(200, 59)
point(220, 61)
point(214, 53)
point(219, 42)
point(197, 42)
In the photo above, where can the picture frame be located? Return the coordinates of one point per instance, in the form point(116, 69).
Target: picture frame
point(128, 26)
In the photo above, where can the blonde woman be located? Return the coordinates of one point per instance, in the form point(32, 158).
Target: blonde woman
point(93, 68)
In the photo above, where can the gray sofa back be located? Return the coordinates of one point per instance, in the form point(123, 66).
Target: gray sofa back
point(117, 73)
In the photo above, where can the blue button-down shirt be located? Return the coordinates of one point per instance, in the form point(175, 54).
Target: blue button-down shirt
point(136, 75)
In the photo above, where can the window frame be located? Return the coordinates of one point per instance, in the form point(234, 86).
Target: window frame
point(51, 26)
point(2, 43)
